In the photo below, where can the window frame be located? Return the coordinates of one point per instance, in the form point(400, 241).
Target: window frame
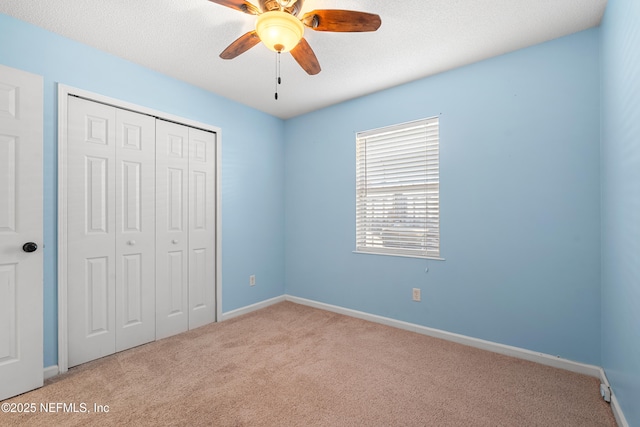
point(398, 169)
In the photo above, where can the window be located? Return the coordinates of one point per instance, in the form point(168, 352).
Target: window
point(397, 190)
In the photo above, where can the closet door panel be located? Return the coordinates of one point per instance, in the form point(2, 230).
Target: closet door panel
point(135, 229)
point(202, 222)
point(172, 236)
point(91, 230)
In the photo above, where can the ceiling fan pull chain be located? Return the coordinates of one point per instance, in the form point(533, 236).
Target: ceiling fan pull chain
point(279, 67)
point(278, 79)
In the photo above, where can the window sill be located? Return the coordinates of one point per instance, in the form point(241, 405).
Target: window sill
point(399, 255)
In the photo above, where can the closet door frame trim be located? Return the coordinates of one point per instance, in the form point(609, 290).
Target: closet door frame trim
point(64, 92)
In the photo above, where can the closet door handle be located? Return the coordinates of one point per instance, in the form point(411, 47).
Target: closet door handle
point(174, 241)
point(131, 242)
point(29, 247)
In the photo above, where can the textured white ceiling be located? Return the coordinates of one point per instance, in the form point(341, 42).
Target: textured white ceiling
point(418, 38)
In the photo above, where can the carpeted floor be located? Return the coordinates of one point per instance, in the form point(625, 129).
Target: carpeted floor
point(291, 365)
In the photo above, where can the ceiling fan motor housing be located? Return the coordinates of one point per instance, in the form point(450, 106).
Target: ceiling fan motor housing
point(290, 6)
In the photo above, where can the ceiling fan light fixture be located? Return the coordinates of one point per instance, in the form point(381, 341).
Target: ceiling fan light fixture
point(279, 31)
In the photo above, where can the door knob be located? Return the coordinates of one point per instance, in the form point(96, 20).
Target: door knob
point(174, 241)
point(131, 242)
point(29, 247)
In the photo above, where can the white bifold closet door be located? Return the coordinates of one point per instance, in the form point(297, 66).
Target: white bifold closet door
point(111, 229)
point(185, 217)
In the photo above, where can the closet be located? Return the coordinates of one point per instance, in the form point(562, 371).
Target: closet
point(140, 229)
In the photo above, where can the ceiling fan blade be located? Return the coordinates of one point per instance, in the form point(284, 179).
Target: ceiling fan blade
point(241, 5)
point(303, 54)
point(341, 20)
point(241, 45)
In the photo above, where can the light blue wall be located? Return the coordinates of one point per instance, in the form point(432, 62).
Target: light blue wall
point(252, 158)
point(520, 202)
point(620, 162)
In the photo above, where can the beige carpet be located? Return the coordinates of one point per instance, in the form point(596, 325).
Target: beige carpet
point(291, 365)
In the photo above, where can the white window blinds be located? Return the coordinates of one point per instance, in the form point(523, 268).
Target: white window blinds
point(397, 190)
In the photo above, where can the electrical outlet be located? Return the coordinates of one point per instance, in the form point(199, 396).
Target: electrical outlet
point(252, 280)
point(416, 294)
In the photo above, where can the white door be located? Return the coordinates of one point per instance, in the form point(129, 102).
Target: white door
point(91, 225)
point(21, 329)
point(111, 230)
point(172, 238)
point(135, 229)
point(202, 226)
point(185, 218)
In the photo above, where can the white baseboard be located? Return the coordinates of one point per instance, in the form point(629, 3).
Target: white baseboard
point(253, 307)
point(521, 353)
point(50, 372)
point(615, 405)
point(617, 411)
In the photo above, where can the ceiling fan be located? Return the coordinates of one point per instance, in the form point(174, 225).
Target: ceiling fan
point(280, 29)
